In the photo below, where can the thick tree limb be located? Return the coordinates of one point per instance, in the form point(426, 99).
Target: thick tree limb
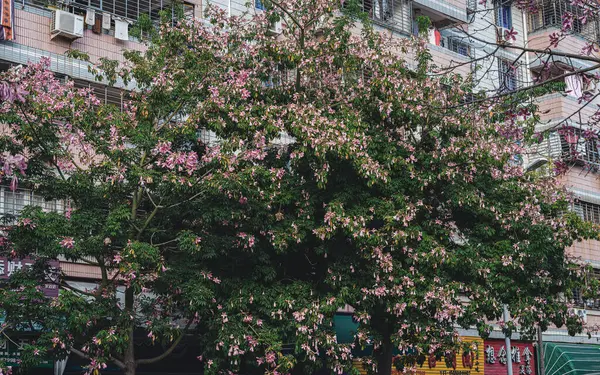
point(167, 352)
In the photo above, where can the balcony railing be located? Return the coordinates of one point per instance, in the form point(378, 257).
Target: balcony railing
point(394, 14)
point(13, 202)
point(130, 9)
point(577, 147)
point(549, 14)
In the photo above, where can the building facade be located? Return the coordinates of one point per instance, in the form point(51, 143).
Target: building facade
point(466, 36)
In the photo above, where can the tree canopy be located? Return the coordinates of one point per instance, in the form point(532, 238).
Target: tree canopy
point(254, 184)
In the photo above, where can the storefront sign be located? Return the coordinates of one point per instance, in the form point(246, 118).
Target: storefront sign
point(496, 357)
point(10, 266)
point(459, 363)
point(11, 355)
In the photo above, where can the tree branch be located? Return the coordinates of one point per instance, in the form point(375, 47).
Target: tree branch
point(167, 352)
point(85, 356)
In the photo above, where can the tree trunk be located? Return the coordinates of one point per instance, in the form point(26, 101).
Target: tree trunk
point(384, 354)
point(129, 357)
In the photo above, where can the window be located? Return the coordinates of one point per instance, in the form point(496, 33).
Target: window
point(549, 13)
point(587, 211)
point(259, 5)
point(133, 9)
point(586, 303)
point(379, 10)
point(503, 14)
point(106, 94)
point(13, 202)
point(580, 147)
point(507, 74)
point(458, 46)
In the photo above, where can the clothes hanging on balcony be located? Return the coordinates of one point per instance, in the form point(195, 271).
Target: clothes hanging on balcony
point(434, 37)
point(106, 21)
point(121, 30)
point(574, 85)
point(90, 17)
point(7, 17)
point(97, 28)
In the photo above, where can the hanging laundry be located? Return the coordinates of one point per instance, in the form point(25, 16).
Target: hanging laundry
point(7, 18)
point(431, 35)
point(106, 21)
point(90, 17)
point(97, 28)
point(121, 30)
point(437, 37)
point(574, 85)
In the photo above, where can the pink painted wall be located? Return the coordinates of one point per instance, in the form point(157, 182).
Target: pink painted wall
point(33, 30)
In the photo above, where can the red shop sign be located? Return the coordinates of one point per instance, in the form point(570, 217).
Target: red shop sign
point(496, 357)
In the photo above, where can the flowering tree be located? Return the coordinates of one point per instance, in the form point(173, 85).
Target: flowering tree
point(339, 175)
point(557, 51)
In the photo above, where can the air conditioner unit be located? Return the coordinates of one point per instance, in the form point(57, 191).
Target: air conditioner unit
point(275, 28)
point(582, 313)
point(66, 24)
point(501, 33)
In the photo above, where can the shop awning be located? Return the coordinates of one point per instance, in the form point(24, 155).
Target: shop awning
point(345, 328)
point(571, 359)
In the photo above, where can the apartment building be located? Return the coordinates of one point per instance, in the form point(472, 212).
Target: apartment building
point(465, 36)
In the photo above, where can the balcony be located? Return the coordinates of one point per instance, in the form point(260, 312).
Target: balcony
point(548, 19)
point(558, 106)
point(391, 14)
point(572, 43)
point(442, 13)
point(550, 14)
point(447, 60)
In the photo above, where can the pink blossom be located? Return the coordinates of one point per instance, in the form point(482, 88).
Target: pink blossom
point(67, 242)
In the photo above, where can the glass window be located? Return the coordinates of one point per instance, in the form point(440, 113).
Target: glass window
point(507, 73)
point(504, 15)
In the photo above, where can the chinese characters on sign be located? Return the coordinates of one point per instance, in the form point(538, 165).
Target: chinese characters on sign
point(496, 358)
point(10, 266)
point(11, 355)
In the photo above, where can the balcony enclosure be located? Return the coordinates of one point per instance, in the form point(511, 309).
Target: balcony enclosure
point(127, 9)
point(393, 14)
point(549, 14)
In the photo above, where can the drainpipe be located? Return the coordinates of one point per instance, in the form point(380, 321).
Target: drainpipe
point(229, 8)
point(525, 43)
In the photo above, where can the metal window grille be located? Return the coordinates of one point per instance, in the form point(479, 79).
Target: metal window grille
point(456, 45)
point(130, 9)
point(586, 303)
point(583, 150)
point(395, 14)
point(587, 211)
point(13, 202)
point(508, 75)
point(472, 5)
point(549, 13)
point(106, 94)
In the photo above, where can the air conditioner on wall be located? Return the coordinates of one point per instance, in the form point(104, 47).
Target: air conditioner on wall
point(582, 313)
point(275, 28)
point(501, 33)
point(65, 24)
